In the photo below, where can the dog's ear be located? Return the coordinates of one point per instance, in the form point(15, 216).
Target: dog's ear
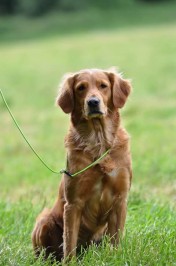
point(121, 88)
point(65, 97)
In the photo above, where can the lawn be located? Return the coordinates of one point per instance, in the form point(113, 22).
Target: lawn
point(34, 54)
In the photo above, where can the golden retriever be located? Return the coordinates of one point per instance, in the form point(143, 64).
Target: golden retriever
point(94, 202)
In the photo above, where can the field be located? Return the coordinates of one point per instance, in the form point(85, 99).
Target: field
point(34, 54)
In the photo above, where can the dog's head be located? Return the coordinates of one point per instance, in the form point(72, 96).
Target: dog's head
point(93, 92)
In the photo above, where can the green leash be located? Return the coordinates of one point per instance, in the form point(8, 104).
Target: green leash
point(41, 160)
point(87, 167)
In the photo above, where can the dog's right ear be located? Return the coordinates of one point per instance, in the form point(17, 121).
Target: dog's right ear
point(65, 98)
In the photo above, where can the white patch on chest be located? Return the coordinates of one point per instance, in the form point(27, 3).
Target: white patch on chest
point(98, 188)
point(113, 173)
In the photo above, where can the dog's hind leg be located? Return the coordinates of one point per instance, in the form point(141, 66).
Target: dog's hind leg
point(48, 235)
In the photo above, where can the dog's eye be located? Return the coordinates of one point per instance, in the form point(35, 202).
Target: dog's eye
point(103, 86)
point(81, 88)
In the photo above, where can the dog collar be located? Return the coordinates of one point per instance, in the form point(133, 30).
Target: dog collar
point(87, 167)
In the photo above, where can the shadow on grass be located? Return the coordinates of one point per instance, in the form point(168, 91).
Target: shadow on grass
point(19, 28)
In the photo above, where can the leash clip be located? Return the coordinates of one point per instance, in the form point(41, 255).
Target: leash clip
point(65, 172)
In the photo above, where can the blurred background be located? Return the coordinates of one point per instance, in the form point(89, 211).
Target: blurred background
point(42, 40)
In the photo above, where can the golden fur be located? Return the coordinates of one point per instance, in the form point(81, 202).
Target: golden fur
point(94, 202)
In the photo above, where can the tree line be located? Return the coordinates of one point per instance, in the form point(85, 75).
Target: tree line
point(39, 7)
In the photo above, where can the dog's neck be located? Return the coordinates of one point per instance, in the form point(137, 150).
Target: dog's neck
point(95, 135)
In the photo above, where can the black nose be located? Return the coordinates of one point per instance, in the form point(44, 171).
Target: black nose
point(93, 102)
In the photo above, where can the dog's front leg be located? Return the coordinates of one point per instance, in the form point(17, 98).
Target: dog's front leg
point(72, 217)
point(116, 220)
point(117, 216)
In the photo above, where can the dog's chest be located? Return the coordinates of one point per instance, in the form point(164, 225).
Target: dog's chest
point(98, 205)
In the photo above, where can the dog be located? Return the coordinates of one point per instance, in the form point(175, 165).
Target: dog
point(94, 202)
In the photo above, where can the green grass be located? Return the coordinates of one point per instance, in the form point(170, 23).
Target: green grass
point(34, 55)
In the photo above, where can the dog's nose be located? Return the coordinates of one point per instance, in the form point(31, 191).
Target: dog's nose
point(93, 102)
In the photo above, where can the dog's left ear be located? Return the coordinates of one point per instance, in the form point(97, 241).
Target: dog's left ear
point(65, 99)
point(121, 88)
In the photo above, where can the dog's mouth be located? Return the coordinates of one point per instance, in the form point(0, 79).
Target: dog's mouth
point(95, 113)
